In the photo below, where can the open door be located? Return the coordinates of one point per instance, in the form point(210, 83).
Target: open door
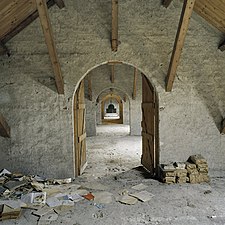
point(79, 130)
point(149, 125)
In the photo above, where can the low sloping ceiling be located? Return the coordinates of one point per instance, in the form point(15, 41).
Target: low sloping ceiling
point(15, 15)
point(212, 11)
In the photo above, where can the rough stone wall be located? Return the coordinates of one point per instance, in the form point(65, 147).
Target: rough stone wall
point(42, 122)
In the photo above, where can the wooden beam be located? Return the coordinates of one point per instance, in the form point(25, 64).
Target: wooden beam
point(114, 25)
point(24, 24)
point(135, 84)
point(179, 42)
point(112, 75)
point(89, 88)
point(47, 30)
point(4, 127)
point(166, 3)
point(60, 3)
point(113, 62)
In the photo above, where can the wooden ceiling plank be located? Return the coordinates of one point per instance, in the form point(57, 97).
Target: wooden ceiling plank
point(4, 127)
point(12, 17)
point(112, 75)
point(114, 25)
point(24, 23)
point(134, 94)
point(60, 3)
point(179, 42)
point(212, 12)
point(166, 3)
point(48, 34)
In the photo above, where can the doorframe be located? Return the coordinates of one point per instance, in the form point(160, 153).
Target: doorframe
point(120, 102)
point(157, 146)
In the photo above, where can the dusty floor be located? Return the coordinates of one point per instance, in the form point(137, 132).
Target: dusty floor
point(114, 166)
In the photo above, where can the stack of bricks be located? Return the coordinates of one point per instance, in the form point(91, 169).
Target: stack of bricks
point(199, 171)
point(167, 173)
point(181, 172)
point(195, 170)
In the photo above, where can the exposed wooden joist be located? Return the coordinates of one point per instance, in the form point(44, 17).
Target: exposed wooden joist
point(4, 127)
point(112, 75)
point(47, 30)
point(114, 25)
point(186, 13)
point(89, 88)
point(166, 3)
point(135, 84)
point(24, 24)
point(113, 62)
point(60, 3)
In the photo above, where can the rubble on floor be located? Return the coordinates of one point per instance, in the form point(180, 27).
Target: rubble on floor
point(48, 198)
point(194, 170)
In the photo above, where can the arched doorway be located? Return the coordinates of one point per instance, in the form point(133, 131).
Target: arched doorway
point(149, 125)
point(112, 109)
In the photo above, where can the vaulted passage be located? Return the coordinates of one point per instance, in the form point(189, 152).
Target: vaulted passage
point(117, 129)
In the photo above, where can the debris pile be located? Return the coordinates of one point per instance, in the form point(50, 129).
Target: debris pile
point(195, 170)
point(49, 198)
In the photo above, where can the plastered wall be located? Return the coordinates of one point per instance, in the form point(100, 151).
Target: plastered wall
point(42, 121)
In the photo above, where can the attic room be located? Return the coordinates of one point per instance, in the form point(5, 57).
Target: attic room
point(112, 112)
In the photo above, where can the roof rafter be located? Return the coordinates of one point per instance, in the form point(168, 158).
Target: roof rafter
point(186, 13)
point(114, 25)
point(47, 30)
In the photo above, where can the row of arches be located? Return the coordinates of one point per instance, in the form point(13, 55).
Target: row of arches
point(111, 103)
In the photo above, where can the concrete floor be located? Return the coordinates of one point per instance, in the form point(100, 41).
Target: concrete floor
point(114, 166)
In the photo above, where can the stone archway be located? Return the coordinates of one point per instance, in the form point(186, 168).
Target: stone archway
point(149, 124)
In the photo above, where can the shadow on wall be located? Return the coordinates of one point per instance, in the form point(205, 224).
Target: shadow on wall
point(47, 81)
point(212, 94)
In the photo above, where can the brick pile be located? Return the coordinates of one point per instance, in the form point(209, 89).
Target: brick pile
point(194, 170)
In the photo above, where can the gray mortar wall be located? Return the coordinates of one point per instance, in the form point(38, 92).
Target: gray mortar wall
point(41, 121)
point(123, 84)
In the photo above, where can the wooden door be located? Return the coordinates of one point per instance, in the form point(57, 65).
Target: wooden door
point(149, 124)
point(79, 130)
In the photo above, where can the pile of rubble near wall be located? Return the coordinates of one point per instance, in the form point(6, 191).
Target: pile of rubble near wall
point(194, 170)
